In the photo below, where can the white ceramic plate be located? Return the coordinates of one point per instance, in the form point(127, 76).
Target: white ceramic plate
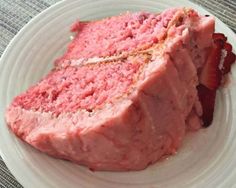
point(207, 158)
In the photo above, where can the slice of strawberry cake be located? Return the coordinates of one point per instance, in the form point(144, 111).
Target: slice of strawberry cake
point(126, 91)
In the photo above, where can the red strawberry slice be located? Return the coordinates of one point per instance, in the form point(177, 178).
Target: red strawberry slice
point(228, 47)
point(219, 36)
point(211, 74)
point(207, 99)
point(228, 61)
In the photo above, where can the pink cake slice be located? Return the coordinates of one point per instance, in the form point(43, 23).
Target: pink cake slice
point(123, 106)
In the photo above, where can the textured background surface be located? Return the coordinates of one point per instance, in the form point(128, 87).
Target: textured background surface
point(14, 14)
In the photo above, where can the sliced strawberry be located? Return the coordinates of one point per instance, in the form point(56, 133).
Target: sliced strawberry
point(207, 99)
point(211, 74)
point(229, 59)
point(228, 47)
point(219, 36)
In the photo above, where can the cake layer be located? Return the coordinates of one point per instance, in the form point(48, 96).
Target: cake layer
point(112, 36)
point(130, 33)
point(129, 134)
point(83, 87)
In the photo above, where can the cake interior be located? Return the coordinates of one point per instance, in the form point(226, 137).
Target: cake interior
point(86, 87)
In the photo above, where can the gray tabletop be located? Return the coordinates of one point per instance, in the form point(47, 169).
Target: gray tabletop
point(14, 14)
